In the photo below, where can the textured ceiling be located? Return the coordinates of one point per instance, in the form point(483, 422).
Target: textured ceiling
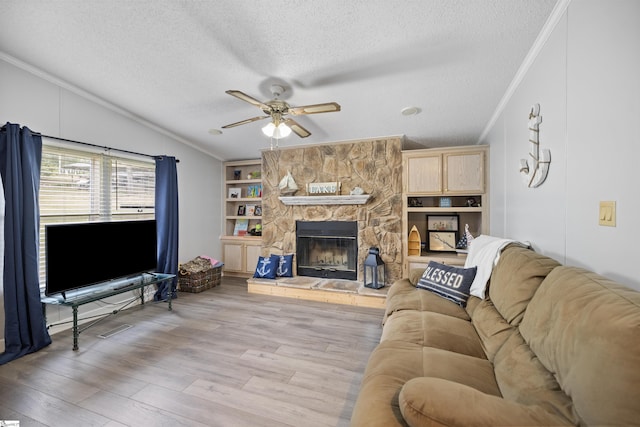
point(169, 62)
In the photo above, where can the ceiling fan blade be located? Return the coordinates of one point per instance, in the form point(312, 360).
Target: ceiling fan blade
point(328, 107)
point(244, 122)
point(299, 130)
point(243, 96)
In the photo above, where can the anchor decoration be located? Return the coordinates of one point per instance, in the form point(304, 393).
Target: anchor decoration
point(282, 269)
point(535, 174)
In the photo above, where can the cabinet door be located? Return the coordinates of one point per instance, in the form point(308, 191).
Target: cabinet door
point(233, 259)
point(464, 173)
point(252, 252)
point(424, 174)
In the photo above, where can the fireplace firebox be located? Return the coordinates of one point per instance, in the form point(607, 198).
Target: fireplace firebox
point(327, 249)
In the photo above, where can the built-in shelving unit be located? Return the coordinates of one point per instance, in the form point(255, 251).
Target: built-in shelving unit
point(443, 182)
point(243, 203)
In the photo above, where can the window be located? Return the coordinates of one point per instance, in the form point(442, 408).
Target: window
point(83, 186)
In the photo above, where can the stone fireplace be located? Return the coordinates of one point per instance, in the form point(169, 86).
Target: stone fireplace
point(327, 249)
point(375, 165)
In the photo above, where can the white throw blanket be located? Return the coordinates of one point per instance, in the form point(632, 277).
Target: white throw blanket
point(484, 253)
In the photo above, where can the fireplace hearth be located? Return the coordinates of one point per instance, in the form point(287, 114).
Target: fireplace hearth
point(327, 249)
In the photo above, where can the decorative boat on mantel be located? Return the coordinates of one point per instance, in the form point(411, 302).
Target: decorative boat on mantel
point(287, 185)
point(414, 241)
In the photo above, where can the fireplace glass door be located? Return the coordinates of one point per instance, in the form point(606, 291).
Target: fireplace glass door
point(327, 249)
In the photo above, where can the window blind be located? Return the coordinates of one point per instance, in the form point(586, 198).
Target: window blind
point(84, 186)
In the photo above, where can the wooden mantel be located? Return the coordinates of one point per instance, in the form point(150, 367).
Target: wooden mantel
point(326, 200)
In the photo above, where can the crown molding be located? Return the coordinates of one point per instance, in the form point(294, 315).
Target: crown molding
point(554, 18)
point(93, 98)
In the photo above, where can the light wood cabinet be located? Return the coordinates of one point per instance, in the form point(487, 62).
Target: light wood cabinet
point(457, 174)
point(463, 173)
point(242, 192)
point(441, 172)
point(241, 255)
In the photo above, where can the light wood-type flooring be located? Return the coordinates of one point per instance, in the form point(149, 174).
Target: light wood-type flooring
point(222, 357)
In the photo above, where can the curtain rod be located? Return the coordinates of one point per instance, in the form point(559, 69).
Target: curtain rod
point(101, 146)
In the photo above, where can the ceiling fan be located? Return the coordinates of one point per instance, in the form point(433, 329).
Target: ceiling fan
point(277, 110)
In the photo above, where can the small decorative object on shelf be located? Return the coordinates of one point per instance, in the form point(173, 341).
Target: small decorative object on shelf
point(357, 191)
point(258, 211)
point(235, 193)
point(257, 230)
point(414, 202)
point(241, 227)
point(374, 270)
point(237, 174)
point(471, 202)
point(323, 188)
point(288, 185)
point(254, 175)
point(466, 238)
point(254, 191)
point(241, 210)
point(445, 202)
point(414, 242)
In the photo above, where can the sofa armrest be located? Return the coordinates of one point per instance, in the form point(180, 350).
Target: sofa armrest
point(430, 401)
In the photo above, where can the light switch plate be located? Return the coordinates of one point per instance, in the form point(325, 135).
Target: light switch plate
point(607, 214)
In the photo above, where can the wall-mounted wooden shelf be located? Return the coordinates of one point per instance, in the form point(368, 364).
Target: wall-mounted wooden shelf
point(326, 200)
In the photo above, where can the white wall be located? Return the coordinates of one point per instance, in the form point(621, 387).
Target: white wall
point(52, 109)
point(586, 80)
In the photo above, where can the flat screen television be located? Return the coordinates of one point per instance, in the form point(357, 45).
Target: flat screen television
point(83, 254)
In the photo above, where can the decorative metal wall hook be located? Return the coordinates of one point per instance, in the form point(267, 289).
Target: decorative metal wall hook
point(534, 174)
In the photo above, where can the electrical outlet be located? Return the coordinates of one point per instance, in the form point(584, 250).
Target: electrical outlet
point(607, 214)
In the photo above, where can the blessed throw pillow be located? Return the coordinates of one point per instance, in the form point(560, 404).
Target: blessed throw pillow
point(267, 267)
point(452, 283)
point(285, 266)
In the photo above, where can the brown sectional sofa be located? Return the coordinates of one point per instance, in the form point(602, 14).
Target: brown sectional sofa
point(550, 345)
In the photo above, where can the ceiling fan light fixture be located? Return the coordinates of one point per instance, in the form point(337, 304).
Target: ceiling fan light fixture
point(281, 131)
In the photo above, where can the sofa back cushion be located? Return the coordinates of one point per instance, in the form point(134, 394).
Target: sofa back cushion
point(515, 279)
point(585, 330)
point(523, 379)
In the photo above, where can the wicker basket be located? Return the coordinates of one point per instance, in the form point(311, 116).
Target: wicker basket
point(200, 281)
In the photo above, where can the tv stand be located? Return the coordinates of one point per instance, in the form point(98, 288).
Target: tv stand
point(98, 292)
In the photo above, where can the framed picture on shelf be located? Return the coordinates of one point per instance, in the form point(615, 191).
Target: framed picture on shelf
point(442, 241)
point(251, 210)
point(442, 222)
point(241, 210)
point(258, 211)
point(235, 193)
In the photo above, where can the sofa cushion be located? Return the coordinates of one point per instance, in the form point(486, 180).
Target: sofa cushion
point(266, 267)
point(523, 379)
point(285, 266)
point(438, 402)
point(452, 283)
point(491, 327)
point(434, 330)
point(584, 328)
point(515, 279)
point(403, 295)
point(393, 363)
